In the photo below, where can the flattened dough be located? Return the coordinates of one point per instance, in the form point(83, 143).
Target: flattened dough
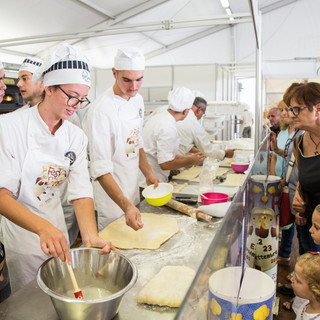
point(168, 287)
point(188, 174)
point(233, 179)
point(156, 230)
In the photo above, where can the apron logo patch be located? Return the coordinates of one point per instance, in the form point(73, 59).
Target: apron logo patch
point(72, 156)
point(50, 176)
point(132, 141)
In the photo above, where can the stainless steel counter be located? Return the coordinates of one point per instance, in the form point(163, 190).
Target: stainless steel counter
point(187, 247)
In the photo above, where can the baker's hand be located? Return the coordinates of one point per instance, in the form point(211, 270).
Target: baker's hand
point(299, 220)
point(298, 204)
point(197, 158)
point(53, 243)
point(152, 179)
point(97, 242)
point(229, 153)
point(133, 217)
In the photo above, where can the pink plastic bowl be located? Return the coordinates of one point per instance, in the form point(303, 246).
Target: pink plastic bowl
point(239, 167)
point(214, 197)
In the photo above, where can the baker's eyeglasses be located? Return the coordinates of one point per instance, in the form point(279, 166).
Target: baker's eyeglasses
point(73, 101)
point(296, 110)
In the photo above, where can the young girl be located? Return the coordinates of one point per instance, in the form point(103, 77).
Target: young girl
point(315, 228)
point(306, 284)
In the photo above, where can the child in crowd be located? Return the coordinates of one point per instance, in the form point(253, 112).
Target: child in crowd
point(306, 285)
point(315, 228)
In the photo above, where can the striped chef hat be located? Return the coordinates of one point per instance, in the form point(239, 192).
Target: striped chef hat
point(65, 65)
point(130, 58)
point(180, 99)
point(31, 64)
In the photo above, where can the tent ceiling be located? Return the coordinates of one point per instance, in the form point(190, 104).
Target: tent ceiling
point(168, 32)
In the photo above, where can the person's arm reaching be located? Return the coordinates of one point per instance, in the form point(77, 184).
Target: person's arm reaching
point(146, 169)
point(183, 161)
point(110, 186)
point(84, 210)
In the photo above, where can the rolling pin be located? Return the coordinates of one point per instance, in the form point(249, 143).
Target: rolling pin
point(179, 189)
point(190, 211)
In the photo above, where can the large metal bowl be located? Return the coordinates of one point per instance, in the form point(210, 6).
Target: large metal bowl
point(117, 275)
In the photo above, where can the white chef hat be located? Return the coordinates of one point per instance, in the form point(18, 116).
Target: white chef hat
point(180, 99)
point(31, 64)
point(65, 65)
point(1, 65)
point(130, 58)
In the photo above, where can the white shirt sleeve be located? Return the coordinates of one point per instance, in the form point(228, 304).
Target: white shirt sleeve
point(202, 142)
point(79, 185)
point(99, 130)
point(10, 169)
point(167, 144)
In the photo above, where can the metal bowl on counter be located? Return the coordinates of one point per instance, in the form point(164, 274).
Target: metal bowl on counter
point(103, 280)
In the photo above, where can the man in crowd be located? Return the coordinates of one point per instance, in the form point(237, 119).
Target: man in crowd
point(274, 118)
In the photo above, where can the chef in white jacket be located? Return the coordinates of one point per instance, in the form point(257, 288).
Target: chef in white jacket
point(31, 91)
point(161, 140)
point(113, 125)
point(39, 150)
point(193, 137)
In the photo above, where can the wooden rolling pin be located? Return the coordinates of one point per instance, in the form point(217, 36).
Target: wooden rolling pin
point(188, 210)
point(179, 189)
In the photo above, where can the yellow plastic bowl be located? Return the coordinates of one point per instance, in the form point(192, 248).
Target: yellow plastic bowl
point(159, 196)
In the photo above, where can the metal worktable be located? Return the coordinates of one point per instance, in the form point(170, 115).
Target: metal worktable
point(187, 247)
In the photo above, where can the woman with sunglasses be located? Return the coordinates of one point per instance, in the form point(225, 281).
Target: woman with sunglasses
point(39, 151)
point(305, 112)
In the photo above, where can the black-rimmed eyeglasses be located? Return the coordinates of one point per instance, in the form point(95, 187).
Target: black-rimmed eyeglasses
point(73, 101)
point(296, 110)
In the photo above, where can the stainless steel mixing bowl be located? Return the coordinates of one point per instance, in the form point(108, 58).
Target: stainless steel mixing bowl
point(117, 275)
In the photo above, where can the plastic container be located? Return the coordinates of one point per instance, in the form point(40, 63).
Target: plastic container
point(255, 298)
point(214, 197)
point(159, 196)
point(239, 167)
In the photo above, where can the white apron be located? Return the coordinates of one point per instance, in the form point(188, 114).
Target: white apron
point(125, 171)
point(41, 178)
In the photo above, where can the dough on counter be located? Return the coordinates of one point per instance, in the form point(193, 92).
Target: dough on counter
point(233, 179)
point(157, 229)
point(188, 174)
point(168, 287)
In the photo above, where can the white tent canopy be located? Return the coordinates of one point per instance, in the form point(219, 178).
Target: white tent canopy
point(171, 32)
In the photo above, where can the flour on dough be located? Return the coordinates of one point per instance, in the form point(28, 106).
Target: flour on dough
point(168, 287)
point(156, 230)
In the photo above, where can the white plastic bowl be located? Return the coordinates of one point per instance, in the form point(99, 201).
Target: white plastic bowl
point(158, 196)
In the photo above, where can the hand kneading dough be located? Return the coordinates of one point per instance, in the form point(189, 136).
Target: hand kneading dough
point(168, 287)
point(156, 230)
